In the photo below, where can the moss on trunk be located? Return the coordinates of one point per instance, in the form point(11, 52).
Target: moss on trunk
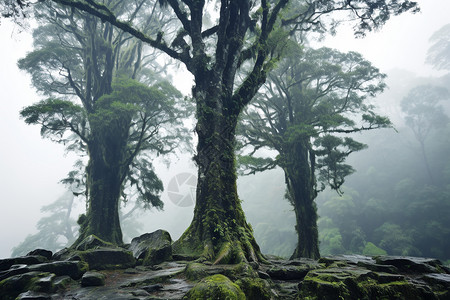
point(301, 189)
point(105, 175)
point(219, 231)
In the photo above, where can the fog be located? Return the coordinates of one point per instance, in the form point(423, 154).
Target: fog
point(31, 167)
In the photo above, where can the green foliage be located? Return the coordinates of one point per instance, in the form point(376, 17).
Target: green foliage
point(107, 101)
point(439, 53)
point(372, 250)
point(394, 204)
point(57, 118)
point(313, 95)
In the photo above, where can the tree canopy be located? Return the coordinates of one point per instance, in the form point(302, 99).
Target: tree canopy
point(97, 107)
point(240, 33)
point(310, 100)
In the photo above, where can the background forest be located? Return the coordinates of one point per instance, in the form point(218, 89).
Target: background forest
point(397, 202)
point(390, 205)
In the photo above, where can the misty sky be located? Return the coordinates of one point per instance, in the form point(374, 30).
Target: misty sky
point(31, 167)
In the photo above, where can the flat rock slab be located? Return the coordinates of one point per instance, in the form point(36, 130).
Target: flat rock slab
point(410, 264)
point(142, 283)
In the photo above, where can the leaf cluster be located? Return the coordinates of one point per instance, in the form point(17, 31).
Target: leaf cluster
point(314, 96)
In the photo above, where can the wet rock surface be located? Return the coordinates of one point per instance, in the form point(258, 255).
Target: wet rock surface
point(337, 277)
point(152, 248)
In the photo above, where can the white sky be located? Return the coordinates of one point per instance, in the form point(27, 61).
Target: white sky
point(31, 167)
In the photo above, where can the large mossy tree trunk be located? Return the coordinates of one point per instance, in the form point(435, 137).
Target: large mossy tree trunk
point(219, 231)
point(105, 176)
point(301, 189)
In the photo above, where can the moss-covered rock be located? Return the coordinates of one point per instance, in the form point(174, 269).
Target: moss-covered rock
point(6, 263)
point(215, 287)
point(93, 279)
point(195, 271)
point(93, 242)
point(74, 269)
point(152, 248)
point(355, 283)
point(107, 258)
point(255, 288)
point(12, 286)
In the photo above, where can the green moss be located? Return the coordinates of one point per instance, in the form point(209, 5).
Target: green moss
point(254, 288)
point(195, 271)
point(12, 286)
point(215, 287)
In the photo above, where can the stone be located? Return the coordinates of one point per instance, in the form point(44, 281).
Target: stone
point(31, 295)
point(108, 258)
point(14, 270)
point(5, 264)
point(62, 254)
point(12, 286)
point(410, 264)
point(93, 242)
point(45, 284)
point(440, 279)
point(74, 269)
point(215, 287)
point(153, 287)
point(288, 272)
point(140, 293)
point(93, 279)
point(62, 282)
point(152, 248)
point(255, 288)
point(42, 252)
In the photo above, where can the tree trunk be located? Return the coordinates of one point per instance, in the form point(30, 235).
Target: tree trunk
point(300, 180)
point(218, 231)
point(104, 184)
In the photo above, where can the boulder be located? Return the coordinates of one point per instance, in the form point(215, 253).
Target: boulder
point(42, 252)
point(153, 287)
point(410, 264)
point(288, 272)
point(74, 269)
point(45, 284)
point(255, 288)
point(215, 287)
point(93, 279)
point(152, 248)
point(107, 258)
point(14, 270)
point(5, 264)
point(62, 282)
point(12, 286)
point(30, 295)
point(93, 242)
point(352, 282)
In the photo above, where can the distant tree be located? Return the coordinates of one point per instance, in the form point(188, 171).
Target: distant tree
point(423, 113)
point(55, 230)
point(439, 53)
point(106, 102)
point(15, 10)
point(309, 103)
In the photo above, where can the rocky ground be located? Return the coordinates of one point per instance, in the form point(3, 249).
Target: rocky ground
point(147, 269)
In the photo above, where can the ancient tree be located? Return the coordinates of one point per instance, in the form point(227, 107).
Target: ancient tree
point(104, 101)
point(237, 33)
point(310, 102)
